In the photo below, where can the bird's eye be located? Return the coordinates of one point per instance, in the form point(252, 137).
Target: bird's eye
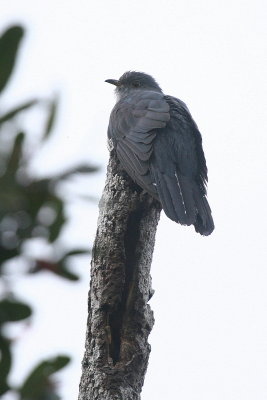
point(136, 84)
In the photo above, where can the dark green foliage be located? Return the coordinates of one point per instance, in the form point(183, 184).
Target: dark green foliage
point(11, 310)
point(53, 105)
point(39, 385)
point(12, 113)
point(9, 43)
point(5, 364)
point(29, 208)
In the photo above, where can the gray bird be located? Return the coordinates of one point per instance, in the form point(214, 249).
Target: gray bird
point(160, 147)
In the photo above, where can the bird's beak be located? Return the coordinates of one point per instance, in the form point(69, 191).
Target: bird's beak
point(112, 81)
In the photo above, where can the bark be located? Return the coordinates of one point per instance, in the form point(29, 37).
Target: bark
point(120, 318)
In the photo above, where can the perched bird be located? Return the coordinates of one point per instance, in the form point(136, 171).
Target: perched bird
point(160, 147)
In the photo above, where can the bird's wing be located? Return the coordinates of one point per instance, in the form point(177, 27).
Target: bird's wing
point(187, 149)
point(178, 167)
point(132, 127)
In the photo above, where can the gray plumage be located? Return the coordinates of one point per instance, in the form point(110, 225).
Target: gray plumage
point(160, 147)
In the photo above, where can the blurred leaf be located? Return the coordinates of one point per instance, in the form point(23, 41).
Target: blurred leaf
point(24, 200)
point(5, 364)
point(65, 273)
point(11, 114)
point(43, 265)
point(11, 310)
point(56, 226)
point(6, 254)
point(83, 169)
point(58, 268)
point(38, 385)
point(53, 106)
point(9, 43)
point(76, 252)
point(36, 194)
point(15, 158)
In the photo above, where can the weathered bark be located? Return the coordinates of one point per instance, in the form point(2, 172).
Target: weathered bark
point(120, 320)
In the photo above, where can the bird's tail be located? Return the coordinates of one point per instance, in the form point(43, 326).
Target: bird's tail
point(204, 222)
point(176, 197)
point(183, 201)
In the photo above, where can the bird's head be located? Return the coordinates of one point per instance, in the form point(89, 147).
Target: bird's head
point(133, 80)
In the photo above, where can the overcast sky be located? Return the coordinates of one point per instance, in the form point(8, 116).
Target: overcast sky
point(210, 337)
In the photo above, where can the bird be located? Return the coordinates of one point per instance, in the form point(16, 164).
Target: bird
point(159, 145)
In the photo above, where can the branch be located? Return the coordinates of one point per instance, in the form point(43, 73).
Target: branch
point(120, 320)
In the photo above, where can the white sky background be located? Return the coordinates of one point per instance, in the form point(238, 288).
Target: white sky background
point(210, 337)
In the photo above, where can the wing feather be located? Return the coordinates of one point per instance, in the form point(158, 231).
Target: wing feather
point(132, 127)
point(137, 166)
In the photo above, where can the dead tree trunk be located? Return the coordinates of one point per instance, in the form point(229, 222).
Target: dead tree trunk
point(120, 320)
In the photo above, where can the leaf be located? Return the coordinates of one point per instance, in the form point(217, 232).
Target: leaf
point(5, 364)
point(36, 194)
point(83, 169)
point(38, 383)
point(76, 252)
point(59, 268)
point(11, 114)
point(55, 228)
point(9, 43)
point(15, 158)
point(65, 273)
point(53, 106)
point(11, 310)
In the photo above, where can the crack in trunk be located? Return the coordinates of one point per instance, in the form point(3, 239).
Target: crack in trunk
point(118, 318)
